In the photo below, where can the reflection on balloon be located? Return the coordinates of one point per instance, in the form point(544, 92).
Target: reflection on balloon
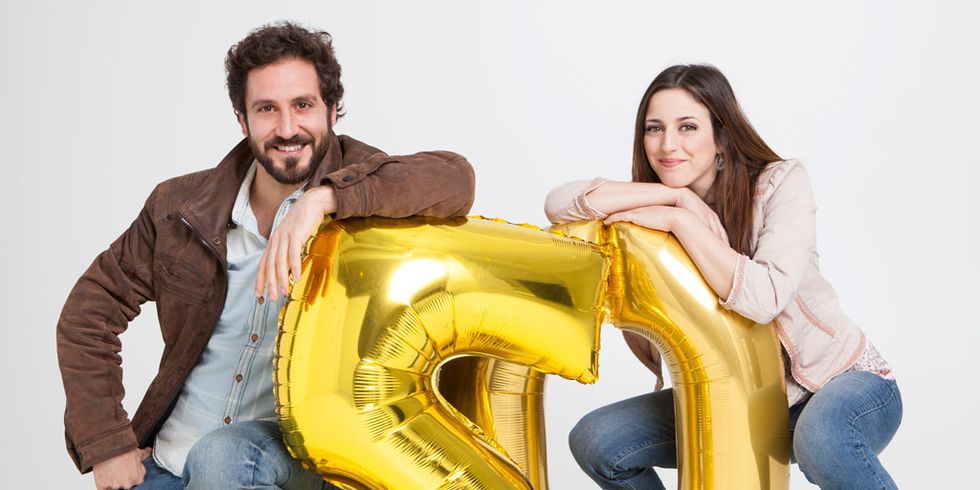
point(384, 304)
point(412, 353)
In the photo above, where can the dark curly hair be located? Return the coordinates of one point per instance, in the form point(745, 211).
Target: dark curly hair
point(275, 42)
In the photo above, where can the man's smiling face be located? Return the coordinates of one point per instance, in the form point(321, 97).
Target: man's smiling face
point(286, 120)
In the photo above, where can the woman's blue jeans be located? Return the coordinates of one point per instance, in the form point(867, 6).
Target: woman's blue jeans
point(241, 455)
point(837, 435)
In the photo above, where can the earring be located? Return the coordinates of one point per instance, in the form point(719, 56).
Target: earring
point(719, 162)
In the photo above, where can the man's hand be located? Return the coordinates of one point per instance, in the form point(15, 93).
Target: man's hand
point(282, 254)
point(123, 471)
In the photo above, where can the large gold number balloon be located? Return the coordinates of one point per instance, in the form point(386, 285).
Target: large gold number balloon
point(377, 388)
point(729, 395)
point(383, 304)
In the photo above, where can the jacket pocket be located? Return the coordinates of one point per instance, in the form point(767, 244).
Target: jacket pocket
point(817, 302)
point(179, 278)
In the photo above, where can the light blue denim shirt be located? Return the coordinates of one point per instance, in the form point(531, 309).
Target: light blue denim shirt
point(233, 378)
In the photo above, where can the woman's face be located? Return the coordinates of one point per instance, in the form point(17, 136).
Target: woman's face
point(679, 141)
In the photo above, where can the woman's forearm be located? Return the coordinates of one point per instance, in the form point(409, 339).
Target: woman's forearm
point(613, 197)
point(715, 259)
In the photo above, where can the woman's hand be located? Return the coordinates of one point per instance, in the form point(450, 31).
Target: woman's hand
point(687, 199)
point(646, 353)
point(282, 253)
point(663, 218)
point(688, 207)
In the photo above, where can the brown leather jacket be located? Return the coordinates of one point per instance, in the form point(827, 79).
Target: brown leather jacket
point(174, 254)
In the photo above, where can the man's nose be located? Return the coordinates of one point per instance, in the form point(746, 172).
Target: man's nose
point(287, 127)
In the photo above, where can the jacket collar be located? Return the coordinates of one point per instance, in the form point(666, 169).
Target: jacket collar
point(331, 161)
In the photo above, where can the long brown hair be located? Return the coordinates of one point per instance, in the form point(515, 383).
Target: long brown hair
point(744, 152)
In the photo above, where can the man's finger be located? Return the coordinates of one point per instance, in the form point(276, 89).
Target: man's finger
point(294, 262)
point(270, 271)
point(282, 266)
point(260, 276)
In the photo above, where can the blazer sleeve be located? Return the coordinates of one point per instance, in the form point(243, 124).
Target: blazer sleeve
point(568, 202)
point(98, 309)
point(432, 183)
point(764, 284)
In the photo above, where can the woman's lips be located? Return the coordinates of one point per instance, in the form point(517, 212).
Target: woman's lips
point(670, 162)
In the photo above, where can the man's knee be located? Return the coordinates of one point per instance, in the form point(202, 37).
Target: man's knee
point(241, 452)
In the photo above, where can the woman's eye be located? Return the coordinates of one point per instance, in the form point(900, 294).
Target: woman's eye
point(654, 129)
point(688, 127)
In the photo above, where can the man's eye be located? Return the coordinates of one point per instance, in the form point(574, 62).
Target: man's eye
point(303, 105)
point(266, 108)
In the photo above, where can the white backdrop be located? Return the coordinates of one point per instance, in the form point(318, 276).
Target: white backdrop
point(102, 100)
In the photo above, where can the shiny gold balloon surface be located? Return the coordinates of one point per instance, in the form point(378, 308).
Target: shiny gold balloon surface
point(729, 395)
point(384, 304)
point(378, 386)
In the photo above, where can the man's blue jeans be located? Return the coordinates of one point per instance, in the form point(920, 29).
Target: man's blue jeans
point(837, 435)
point(242, 455)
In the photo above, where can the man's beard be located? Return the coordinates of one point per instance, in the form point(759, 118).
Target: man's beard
point(291, 173)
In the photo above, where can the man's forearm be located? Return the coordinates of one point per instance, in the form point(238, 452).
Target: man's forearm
point(440, 184)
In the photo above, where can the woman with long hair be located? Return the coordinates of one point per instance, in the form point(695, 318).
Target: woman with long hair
point(746, 218)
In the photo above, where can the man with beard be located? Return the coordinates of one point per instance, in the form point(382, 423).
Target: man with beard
point(196, 249)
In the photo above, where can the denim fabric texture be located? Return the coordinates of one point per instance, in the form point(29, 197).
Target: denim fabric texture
point(243, 455)
point(837, 435)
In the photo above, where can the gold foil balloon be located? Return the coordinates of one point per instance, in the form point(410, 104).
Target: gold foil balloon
point(384, 304)
point(730, 409)
point(378, 385)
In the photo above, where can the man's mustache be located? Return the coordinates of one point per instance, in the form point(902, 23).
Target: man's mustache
point(295, 140)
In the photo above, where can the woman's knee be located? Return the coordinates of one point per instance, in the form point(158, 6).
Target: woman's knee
point(586, 439)
point(631, 433)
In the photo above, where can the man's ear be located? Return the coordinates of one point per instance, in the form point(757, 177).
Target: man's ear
point(333, 116)
point(242, 122)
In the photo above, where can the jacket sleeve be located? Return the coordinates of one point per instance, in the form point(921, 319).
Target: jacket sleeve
point(568, 202)
point(433, 183)
point(764, 284)
point(99, 308)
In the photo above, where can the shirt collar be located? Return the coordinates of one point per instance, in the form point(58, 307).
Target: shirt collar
point(241, 201)
point(238, 213)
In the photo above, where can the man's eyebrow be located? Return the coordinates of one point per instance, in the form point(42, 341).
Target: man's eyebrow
point(298, 98)
point(262, 102)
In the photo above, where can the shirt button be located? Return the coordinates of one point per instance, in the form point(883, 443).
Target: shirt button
point(227, 420)
point(261, 300)
point(216, 240)
point(238, 377)
point(254, 337)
